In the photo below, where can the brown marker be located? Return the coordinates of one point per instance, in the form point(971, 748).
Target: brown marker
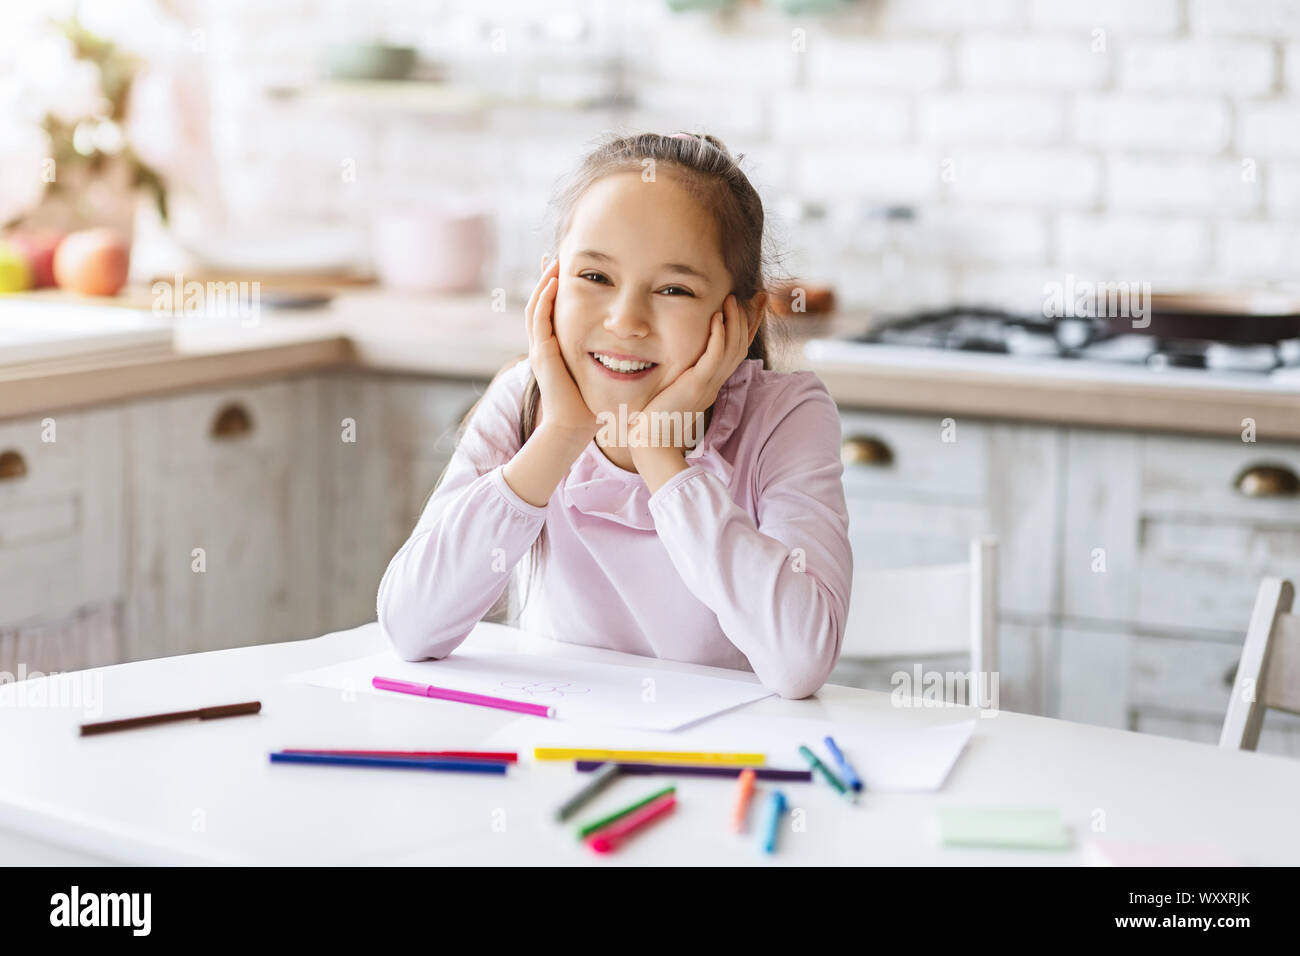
point(203, 713)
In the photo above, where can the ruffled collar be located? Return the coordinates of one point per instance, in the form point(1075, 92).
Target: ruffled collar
point(598, 487)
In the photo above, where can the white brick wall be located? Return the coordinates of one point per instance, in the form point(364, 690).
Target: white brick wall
point(1127, 16)
point(1270, 129)
point(1165, 123)
point(816, 118)
point(1010, 287)
point(1245, 17)
point(833, 174)
point(1181, 184)
point(1283, 190)
point(671, 107)
point(992, 118)
point(1030, 62)
point(1243, 68)
point(1291, 67)
point(1024, 178)
point(1133, 245)
point(1258, 250)
point(951, 15)
point(1035, 137)
point(992, 235)
point(724, 61)
point(864, 63)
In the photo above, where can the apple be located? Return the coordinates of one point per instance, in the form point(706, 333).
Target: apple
point(92, 262)
point(38, 246)
point(15, 274)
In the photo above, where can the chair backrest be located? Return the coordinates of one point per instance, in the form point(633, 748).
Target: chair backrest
point(1268, 674)
point(927, 611)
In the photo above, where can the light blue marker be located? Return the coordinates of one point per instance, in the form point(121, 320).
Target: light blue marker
point(850, 776)
point(776, 808)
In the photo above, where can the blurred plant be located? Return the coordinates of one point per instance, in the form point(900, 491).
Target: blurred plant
point(93, 145)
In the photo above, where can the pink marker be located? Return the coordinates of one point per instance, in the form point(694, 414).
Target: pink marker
point(462, 697)
point(603, 841)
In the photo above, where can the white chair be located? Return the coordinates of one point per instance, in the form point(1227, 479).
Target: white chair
point(1268, 674)
point(941, 610)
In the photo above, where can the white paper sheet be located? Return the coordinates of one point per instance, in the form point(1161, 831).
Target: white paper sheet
point(610, 695)
point(884, 758)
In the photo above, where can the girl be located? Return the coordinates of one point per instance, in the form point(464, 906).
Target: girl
point(731, 550)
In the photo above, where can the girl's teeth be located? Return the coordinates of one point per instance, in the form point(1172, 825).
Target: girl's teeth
point(621, 365)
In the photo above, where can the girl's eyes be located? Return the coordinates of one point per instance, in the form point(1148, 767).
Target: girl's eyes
point(674, 290)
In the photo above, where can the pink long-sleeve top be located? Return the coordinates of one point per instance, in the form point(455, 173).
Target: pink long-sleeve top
point(742, 560)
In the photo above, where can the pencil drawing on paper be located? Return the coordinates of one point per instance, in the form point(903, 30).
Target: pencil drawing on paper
point(545, 688)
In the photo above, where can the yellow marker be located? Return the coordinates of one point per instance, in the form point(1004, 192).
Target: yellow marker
point(647, 756)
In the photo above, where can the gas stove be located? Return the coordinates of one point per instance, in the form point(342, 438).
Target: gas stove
point(1077, 347)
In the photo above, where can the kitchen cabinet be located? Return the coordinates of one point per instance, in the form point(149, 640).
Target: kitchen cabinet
point(1155, 683)
point(1159, 535)
point(256, 512)
point(920, 487)
point(386, 440)
point(1023, 675)
point(223, 494)
point(1280, 734)
point(61, 535)
point(1091, 676)
point(1163, 554)
point(1129, 561)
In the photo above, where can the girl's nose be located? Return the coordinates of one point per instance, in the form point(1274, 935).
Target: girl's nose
point(627, 320)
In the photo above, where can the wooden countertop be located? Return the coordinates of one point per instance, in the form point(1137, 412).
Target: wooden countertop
point(460, 336)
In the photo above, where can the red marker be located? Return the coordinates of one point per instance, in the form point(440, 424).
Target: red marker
point(603, 841)
point(500, 757)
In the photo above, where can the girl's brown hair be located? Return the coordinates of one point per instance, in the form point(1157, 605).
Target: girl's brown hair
point(703, 165)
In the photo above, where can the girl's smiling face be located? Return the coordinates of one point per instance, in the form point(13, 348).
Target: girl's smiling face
point(641, 275)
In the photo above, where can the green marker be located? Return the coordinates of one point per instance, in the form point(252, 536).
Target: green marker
point(591, 828)
point(825, 771)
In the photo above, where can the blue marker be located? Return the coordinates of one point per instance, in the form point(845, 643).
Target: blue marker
point(850, 776)
point(397, 763)
point(776, 808)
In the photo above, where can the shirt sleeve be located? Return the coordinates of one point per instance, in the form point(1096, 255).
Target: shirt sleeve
point(471, 534)
point(779, 586)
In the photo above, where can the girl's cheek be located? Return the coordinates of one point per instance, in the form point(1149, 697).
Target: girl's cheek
point(692, 341)
point(568, 327)
point(572, 299)
point(564, 313)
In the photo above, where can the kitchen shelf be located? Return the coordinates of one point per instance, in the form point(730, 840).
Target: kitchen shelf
point(418, 96)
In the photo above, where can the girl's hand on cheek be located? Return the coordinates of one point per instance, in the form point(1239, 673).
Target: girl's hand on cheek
point(566, 425)
point(696, 389)
point(562, 406)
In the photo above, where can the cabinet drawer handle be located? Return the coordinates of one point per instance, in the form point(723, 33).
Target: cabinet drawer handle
point(1268, 481)
point(12, 465)
point(233, 421)
point(865, 450)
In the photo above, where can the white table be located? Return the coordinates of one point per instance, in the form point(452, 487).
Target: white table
point(205, 792)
